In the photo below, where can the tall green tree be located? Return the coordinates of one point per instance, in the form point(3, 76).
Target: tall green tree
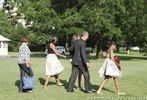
point(117, 20)
point(134, 22)
point(6, 27)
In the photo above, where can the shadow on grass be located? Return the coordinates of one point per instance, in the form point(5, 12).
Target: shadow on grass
point(17, 82)
point(43, 55)
point(132, 58)
point(93, 87)
point(122, 57)
point(38, 55)
point(42, 81)
point(65, 84)
point(96, 87)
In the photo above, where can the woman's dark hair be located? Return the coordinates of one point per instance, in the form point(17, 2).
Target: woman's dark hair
point(113, 43)
point(52, 39)
point(110, 43)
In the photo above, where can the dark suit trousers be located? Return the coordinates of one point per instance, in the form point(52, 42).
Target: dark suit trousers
point(23, 71)
point(75, 72)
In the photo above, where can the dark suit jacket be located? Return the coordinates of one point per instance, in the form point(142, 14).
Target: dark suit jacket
point(78, 49)
point(71, 49)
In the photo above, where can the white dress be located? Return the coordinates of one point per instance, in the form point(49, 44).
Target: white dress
point(109, 68)
point(53, 65)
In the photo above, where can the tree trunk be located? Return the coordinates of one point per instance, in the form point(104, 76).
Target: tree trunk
point(99, 51)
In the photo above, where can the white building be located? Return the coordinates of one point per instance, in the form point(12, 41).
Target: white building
point(3, 46)
point(1, 3)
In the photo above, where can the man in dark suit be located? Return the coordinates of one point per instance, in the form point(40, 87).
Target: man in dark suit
point(74, 38)
point(80, 63)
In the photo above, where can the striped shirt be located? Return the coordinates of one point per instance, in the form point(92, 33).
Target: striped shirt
point(24, 54)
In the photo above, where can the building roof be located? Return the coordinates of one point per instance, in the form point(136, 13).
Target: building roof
point(1, 3)
point(2, 38)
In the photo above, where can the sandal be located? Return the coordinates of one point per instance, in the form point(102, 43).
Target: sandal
point(44, 87)
point(59, 84)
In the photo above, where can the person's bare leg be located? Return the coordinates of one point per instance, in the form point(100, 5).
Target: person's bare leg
point(102, 85)
point(116, 82)
point(46, 81)
point(58, 80)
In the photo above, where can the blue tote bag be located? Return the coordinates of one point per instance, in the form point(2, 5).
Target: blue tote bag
point(28, 82)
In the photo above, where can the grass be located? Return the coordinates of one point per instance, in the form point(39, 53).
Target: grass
point(133, 82)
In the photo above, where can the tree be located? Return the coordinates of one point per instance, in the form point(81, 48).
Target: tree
point(6, 27)
point(105, 20)
point(133, 23)
point(8, 30)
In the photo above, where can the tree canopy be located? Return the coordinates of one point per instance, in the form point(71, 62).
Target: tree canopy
point(123, 21)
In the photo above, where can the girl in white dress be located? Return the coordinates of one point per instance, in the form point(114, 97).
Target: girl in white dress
point(109, 69)
point(53, 65)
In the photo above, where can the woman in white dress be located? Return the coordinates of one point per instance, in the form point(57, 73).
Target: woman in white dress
point(53, 65)
point(109, 69)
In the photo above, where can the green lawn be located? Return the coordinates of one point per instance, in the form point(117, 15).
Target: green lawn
point(133, 82)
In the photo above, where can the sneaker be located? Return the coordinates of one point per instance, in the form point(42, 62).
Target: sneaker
point(30, 91)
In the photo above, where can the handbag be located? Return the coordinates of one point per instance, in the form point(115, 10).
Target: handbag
point(28, 82)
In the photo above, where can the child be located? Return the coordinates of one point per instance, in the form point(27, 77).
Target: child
point(110, 69)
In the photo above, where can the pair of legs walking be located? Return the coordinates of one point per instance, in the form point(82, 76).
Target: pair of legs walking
point(75, 72)
point(116, 82)
point(48, 78)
